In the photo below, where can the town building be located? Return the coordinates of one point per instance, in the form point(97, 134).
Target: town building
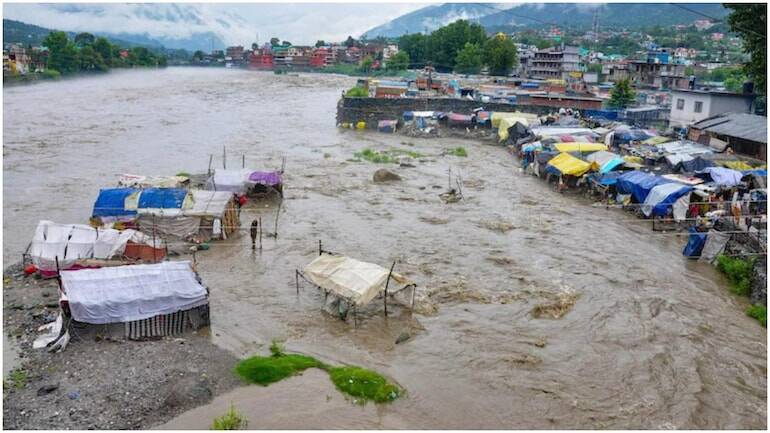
point(745, 134)
point(693, 105)
point(554, 62)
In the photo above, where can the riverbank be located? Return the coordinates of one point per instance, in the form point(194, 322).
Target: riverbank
point(101, 382)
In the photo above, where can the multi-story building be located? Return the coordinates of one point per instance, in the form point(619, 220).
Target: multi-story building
point(554, 62)
point(693, 105)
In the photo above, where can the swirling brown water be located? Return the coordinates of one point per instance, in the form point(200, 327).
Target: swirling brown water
point(653, 341)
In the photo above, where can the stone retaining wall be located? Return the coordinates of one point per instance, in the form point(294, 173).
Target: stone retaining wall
point(372, 110)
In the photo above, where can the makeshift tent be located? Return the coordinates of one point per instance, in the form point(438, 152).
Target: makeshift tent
point(693, 165)
point(456, 119)
point(662, 197)
point(267, 178)
point(217, 210)
point(497, 117)
point(388, 126)
point(229, 180)
point(506, 123)
point(723, 176)
point(74, 244)
point(355, 281)
point(129, 293)
point(656, 140)
point(566, 164)
point(550, 131)
point(136, 181)
point(579, 147)
point(412, 115)
point(607, 161)
point(111, 203)
point(162, 198)
point(638, 184)
point(484, 117)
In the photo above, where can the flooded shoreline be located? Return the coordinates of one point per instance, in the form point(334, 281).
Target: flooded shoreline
point(652, 339)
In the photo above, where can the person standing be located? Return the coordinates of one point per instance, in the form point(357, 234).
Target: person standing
point(254, 233)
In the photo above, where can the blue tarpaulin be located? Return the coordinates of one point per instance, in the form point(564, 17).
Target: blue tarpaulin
point(112, 202)
point(607, 179)
point(602, 114)
point(662, 197)
point(162, 198)
point(695, 243)
point(759, 172)
point(638, 184)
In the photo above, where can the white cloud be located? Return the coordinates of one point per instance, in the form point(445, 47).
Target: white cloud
point(234, 23)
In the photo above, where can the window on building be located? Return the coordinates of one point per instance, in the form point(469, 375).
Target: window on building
point(698, 106)
point(680, 104)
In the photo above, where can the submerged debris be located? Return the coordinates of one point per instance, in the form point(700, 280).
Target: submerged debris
point(383, 175)
point(558, 308)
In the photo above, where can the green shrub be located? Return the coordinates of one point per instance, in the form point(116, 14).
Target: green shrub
point(375, 156)
point(738, 272)
point(357, 92)
point(231, 420)
point(758, 312)
point(363, 383)
point(458, 151)
point(51, 74)
point(19, 378)
point(183, 174)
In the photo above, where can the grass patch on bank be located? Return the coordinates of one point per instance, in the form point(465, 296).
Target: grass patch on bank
point(758, 312)
point(459, 151)
point(231, 420)
point(18, 378)
point(358, 382)
point(738, 272)
point(364, 384)
point(385, 156)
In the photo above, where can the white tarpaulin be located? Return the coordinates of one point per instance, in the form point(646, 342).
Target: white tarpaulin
point(71, 242)
point(127, 293)
point(356, 281)
point(136, 181)
point(208, 203)
point(659, 193)
point(229, 180)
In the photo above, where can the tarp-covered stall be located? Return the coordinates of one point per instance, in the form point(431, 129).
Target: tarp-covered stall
point(229, 180)
point(77, 246)
point(579, 147)
point(133, 294)
point(566, 164)
point(352, 283)
point(506, 123)
point(607, 161)
point(662, 197)
point(638, 184)
point(114, 204)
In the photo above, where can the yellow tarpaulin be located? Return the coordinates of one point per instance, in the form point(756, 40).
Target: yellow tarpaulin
point(498, 116)
point(507, 122)
point(633, 159)
point(569, 165)
point(580, 147)
point(736, 165)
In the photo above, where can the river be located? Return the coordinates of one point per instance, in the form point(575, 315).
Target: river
point(653, 340)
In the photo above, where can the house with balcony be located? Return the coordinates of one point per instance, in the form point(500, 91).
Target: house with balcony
point(555, 62)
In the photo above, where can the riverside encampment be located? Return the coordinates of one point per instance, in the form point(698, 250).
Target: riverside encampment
point(651, 339)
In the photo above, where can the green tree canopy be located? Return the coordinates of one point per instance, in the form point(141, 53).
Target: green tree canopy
point(366, 64)
point(84, 39)
point(62, 52)
point(749, 21)
point(469, 59)
point(416, 46)
point(445, 42)
point(274, 41)
point(90, 60)
point(398, 61)
point(622, 95)
point(104, 48)
point(500, 54)
point(320, 43)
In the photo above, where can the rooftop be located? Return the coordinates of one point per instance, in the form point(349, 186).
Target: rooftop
point(714, 92)
point(739, 125)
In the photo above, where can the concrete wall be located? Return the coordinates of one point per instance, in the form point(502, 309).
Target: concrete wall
point(372, 110)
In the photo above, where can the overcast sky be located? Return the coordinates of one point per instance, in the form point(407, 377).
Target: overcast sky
point(234, 23)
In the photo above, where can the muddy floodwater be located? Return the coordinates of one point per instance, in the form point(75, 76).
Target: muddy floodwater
point(649, 339)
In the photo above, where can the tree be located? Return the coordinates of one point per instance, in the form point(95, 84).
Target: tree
point(62, 53)
point(350, 42)
point(399, 61)
point(415, 46)
point(198, 55)
point(319, 43)
point(104, 48)
point(469, 59)
point(254, 46)
point(444, 43)
point(90, 60)
point(621, 95)
point(500, 55)
point(366, 64)
point(749, 21)
point(274, 41)
point(595, 68)
point(286, 43)
point(84, 39)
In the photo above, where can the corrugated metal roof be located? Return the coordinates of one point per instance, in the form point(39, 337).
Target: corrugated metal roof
point(740, 125)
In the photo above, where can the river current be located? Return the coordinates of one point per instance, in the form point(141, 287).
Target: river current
point(650, 339)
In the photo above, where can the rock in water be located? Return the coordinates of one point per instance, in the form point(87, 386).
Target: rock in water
point(405, 336)
point(47, 389)
point(383, 175)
